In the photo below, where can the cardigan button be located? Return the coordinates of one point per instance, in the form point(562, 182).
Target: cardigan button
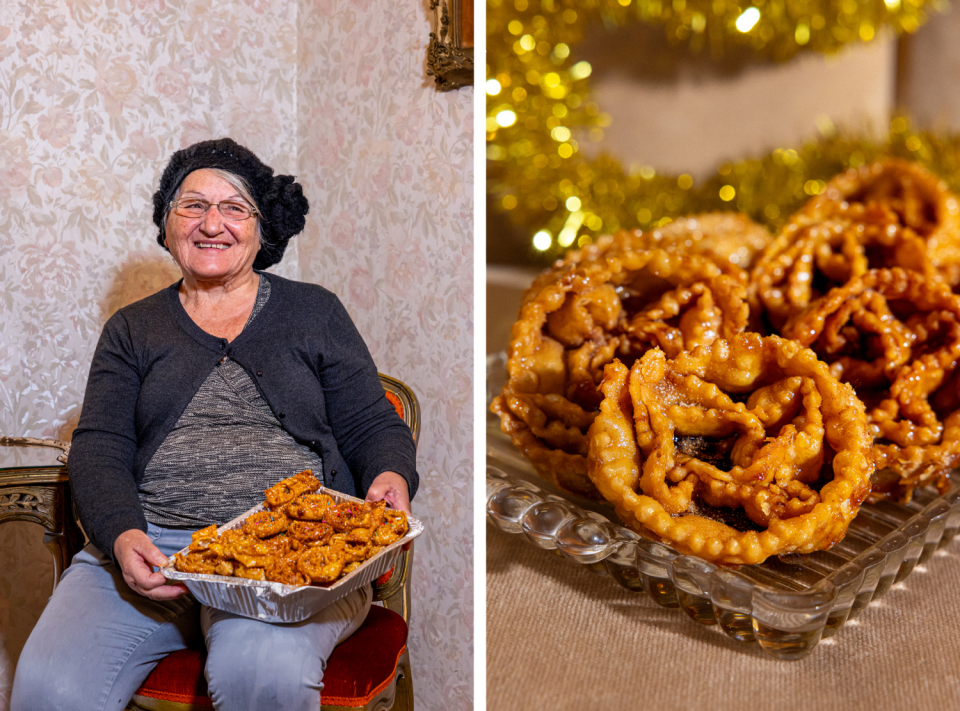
point(259, 373)
point(333, 473)
point(281, 415)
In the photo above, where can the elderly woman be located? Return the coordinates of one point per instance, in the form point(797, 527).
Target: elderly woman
point(199, 398)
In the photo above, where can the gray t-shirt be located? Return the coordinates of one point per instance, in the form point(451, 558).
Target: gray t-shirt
point(226, 448)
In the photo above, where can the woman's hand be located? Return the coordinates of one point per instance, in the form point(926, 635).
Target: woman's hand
point(136, 555)
point(392, 488)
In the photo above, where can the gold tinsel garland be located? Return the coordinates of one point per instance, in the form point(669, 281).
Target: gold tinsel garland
point(538, 106)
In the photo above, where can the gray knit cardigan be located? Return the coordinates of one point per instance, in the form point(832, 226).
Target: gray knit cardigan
point(302, 351)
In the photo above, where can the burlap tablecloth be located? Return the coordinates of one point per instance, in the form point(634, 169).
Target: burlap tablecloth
point(560, 637)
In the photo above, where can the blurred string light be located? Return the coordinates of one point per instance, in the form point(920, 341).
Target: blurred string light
point(539, 109)
point(748, 20)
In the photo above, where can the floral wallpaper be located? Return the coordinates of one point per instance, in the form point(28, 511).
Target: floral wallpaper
point(94, 97)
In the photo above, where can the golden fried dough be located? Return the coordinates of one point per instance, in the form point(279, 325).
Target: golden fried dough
point(894, 335)
point(606, 301)
point(289, 544)
point(732, 452)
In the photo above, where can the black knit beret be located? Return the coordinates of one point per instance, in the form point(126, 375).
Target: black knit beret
point(278, 198)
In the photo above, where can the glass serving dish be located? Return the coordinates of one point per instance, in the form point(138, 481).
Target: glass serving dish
point(787, 604)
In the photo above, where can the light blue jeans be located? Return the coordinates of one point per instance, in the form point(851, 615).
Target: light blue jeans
point(97, 640)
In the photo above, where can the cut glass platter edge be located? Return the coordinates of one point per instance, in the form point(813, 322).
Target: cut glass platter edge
point(787, 605)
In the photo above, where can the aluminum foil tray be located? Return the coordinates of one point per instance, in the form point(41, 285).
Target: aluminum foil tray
point(276, 602)
point(787, 604)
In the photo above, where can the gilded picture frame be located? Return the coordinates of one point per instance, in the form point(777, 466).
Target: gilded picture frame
point(450, 53)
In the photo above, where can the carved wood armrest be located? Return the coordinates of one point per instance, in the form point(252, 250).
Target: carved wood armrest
point(42, 495)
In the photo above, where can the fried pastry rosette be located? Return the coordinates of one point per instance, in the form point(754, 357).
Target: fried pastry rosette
point(921, 201)
point(286, 490)
point(729, 236)
point(577, 318)
point(733, 452)
point(895, 337)
point(823, 248)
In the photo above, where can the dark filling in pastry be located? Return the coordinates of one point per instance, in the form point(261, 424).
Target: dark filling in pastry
point(736, 519)
point(713, 451)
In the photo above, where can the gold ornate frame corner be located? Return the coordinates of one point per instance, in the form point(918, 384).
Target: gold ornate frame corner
point(450, 53)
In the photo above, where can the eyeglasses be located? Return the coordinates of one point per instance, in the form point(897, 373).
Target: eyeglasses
point(230, 209)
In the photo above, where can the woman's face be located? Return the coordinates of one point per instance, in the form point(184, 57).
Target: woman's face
point(211, 248)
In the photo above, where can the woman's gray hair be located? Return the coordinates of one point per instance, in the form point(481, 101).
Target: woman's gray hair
point(239, 184)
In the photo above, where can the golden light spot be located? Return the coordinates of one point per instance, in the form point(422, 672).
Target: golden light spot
point(565, 150)
point(506, 118)
point(748, 19)
point(551, 80)
point(685, 182)
point(515, 27)
point(569, 232)
point(542, 240)
point(727, 193)
point(913, 143)
point(802, 34)
point(493, 87)
point(581, 70)
point(561, 134)
point(496, 153)
point(527, 42)
point(572, 203)
point(509, 202)
point(561, 50)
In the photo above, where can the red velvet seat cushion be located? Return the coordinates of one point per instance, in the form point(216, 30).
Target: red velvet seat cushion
point(396, 402)
point(359, 669)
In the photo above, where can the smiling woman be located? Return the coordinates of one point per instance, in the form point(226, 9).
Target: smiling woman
point(212, 234)
point(199, 398)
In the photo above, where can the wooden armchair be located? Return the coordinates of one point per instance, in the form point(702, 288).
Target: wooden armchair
point(370, 670)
